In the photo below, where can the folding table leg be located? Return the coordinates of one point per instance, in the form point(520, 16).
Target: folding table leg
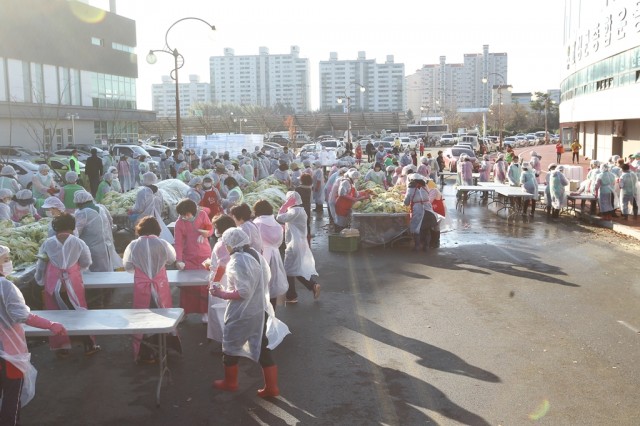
point(162, 356)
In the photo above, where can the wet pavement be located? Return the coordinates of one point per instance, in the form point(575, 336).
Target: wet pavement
point(507, 323)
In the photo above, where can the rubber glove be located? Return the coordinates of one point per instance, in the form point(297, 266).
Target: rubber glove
point(217, 291)
point(290, 202)
point(200, 239)
point(180, 265)
point(39, 322)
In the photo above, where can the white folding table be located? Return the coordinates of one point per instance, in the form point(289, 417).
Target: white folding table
point(463, 194)
point(511, 193)
point(186, 278)
point(101, 322)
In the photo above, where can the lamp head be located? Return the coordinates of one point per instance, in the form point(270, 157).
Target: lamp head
point(340, 100)
point(151, 58)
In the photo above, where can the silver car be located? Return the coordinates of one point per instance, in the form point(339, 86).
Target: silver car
point(26, 170)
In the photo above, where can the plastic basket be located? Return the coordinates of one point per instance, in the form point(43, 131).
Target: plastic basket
point(338, 243)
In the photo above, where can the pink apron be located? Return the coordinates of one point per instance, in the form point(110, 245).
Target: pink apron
point(195, 299)
point(58, 281)
point(147, 292)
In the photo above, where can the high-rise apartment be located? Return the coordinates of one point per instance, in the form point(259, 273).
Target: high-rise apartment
point(263, 80)
point(384, 84)
point(67, 75)
point(191, 93)
point(446, 86)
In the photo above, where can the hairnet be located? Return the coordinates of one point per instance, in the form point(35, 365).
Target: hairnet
point(24, 197)
point(501, 156)
point(5, 193)
point(615, 159)
point(144, 167)
point(353, 174)
point(82, 197)
point(4, 250)
point(390, 168)
point(604, 167)
point(108, 176)
point(71, 177)
point(306, 163)
point(220, 168)
point(113, 170)
point(8, 171)
point(552, 165)
point(53, 202)
point(163, 156)
point(149, 178)
point(407, 169)
point(43, 168)
point(294, 195)
point(231, 169)
point(533, 153)
point(180, 157)
point(235, 237)
point(294, 166)
point(560, 168)
point(343, 170)
point(317, 163)
point(424, 160)
point(526, 165)
point(485, 157)
point(195, 181)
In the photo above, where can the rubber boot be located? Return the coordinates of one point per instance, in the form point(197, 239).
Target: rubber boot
point(230, 382)
point(270, 382)
point(416, 242)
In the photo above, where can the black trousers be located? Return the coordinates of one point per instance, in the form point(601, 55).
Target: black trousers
point(11, 390)
point(265, 360)
point(575, 157)
point(291, 292)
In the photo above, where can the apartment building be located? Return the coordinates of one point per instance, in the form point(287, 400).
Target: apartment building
point(191, 93)
point(264, 80)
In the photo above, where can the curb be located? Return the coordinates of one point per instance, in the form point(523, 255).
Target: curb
point(608, 224)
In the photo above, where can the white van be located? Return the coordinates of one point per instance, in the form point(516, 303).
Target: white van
point(470, 139)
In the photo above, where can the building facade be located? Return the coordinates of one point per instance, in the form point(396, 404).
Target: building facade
point(601, 82)
point(191, 94)
point(451, 87)
point(384, 84)
point(67, 75)
point(263, 80)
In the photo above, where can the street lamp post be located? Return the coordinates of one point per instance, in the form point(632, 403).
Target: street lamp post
point(485, 80)
point(73, 118)
point(152, 59)
point(426, 108)
point(240, 120)
point(348, 98)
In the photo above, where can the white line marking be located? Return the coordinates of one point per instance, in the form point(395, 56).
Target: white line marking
point(630, 327)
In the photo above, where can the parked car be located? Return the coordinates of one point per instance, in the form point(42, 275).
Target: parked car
point(18, 152)
point(334, 145)
point(26, 169)
point(510, 140)
point(310, 148)
point(447, 139)
point(154, 152)
point(67, 153)
point(280, 140)
point(272, 147)
point(136, 151)
point(471, 140)
point(388, 146)
point(86, 149)
point(532, 140)
point(451, 156)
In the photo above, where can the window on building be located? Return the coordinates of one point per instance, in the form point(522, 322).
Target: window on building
point(96, 41)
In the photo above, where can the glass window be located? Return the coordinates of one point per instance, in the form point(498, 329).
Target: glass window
point(96, 41)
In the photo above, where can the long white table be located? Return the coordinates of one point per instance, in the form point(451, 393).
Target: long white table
point(462, 194)
point(511, 194)
point(102, 322)
point(125, 279)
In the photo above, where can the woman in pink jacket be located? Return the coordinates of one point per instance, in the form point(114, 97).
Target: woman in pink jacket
point(192, 233)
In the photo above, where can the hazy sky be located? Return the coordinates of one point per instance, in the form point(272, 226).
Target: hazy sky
point(415, 32)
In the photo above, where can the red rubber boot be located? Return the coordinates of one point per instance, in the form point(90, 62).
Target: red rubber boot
point(270, 382)
point(230, 382)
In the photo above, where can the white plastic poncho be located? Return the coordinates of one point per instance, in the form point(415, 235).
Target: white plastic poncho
point(557, 183)
point(255, 240)
point(13, 344)
point(150, 203)
point(298, 259)
point(63, 256)
point(95, 229)
point(143, 253)
point(272, 236)
point(244, 318)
